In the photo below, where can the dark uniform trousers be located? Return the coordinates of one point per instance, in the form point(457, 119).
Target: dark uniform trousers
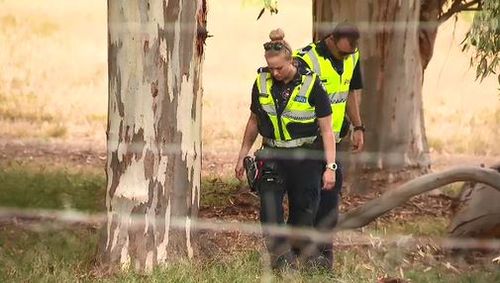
point(328, 213)
point(301, 181)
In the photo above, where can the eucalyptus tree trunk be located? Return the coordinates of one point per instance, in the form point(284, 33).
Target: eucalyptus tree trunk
point(391, 108)
point(153, 137)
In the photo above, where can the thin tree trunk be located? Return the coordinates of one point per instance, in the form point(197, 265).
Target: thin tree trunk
point(430, 11)
point(391, 107)
point(153, 134)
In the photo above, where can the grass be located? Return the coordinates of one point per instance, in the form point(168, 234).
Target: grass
point(65, 256)
point(23, 107)
point(57, 131)
point(45, 255)
point(445, 276)
point(417, 226)
point(56, 68)
point(477, 135)
point(41, 253)
point(216, 191)
point(453, 190)
point(45, 188)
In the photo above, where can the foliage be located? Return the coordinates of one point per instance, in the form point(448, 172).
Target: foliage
point(271, 5)
point(484, 39)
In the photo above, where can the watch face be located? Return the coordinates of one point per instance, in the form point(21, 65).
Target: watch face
point(332, 166)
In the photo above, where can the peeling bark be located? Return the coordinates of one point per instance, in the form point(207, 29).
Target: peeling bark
point(391, 107)
point(153, 133)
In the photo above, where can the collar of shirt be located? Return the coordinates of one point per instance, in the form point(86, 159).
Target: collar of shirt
point(323, 50)
point(297, 79)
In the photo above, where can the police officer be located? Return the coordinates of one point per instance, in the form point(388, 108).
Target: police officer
point(291, 111)
point(335, 59)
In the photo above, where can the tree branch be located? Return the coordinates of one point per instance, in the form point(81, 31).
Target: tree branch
point(458, 7)
point(369, 211)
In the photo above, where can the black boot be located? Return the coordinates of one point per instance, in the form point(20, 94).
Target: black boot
point(285, 262)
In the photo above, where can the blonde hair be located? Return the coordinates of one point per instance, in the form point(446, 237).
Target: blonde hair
point(277, 36)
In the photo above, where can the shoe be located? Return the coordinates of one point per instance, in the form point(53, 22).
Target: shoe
point(320, 262)
point(285, 262)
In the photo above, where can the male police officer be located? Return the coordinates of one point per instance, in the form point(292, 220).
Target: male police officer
point(336, 60)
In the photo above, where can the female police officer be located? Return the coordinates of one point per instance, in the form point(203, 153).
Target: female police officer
point(291, 111)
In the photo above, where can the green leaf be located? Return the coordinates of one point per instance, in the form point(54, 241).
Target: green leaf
point(271, 5)
point(484, 39)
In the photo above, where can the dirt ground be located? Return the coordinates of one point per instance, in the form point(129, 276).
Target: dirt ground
point(243, 206)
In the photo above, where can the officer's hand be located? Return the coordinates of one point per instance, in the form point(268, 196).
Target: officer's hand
point(328, 180)
point(357, 141)
point(239, 170)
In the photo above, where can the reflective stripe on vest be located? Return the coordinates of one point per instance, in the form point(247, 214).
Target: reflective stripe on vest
point(297, 111)
point(340, 97)
point(295, 114)
point(270, 109)
point(315, 61)
point(263, 83)
point(336, 85)
point(289, 144)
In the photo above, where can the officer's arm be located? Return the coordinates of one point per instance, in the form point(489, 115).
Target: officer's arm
point(354, 96)
point(353, 102)
point(325, 126)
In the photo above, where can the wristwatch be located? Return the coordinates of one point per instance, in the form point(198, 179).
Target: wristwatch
point(332, 166)
point(359, 128)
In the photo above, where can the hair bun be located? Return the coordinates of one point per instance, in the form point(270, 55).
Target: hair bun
point(277, 34)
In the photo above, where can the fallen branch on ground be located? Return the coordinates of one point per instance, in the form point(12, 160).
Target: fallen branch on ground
point(371, 210)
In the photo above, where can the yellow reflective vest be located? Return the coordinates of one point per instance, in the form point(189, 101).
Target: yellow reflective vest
point(337, 86)
point(292, 127)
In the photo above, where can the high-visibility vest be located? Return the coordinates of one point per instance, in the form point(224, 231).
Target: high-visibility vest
point(337, 86)
point(297, 112)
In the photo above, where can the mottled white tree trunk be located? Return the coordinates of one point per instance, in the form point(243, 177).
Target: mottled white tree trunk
point(153, 136)
point(391, 107)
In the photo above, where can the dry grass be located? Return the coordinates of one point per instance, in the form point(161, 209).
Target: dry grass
point(462, 115)
point(53, 54)
point(54, 83)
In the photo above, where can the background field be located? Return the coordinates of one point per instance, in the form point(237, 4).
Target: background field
point(53, 83)
point(53, 106)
